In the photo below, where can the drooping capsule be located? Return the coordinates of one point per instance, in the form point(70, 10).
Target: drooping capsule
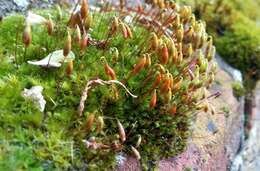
point(171, 47)
point(157, 81)
point(153, 100)
point(189, 50)
point(208, 46)
point(177, 22)
point(123, 30)
point(180, 33)
point(100, 124)
point(84, 9)
point(168, 96)
point(59, 13)
point(154, 42)
point(178, 84)
point(121, 131)
point(204, 65)
point(166, 84)
point(139, 140)
point(185, 13)
point(140, 65)
point(83, 43)
point(148, 60)
point(115, 55)
point(88, 22)
point(27, 35)
point(189, 34)
point(50, 26)
point(67, 45)
point(78, 34)
point(69, 68)
point(129, 31)
point(173, 109)
point(114, 25)
point(89, 122)
point(136, 153)
point(110, 72)
point(164, 56)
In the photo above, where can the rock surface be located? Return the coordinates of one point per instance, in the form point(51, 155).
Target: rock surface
point(249, 157)
point(10, 6)
point(234, 73)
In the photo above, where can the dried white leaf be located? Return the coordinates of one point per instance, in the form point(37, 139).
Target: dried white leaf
point(34, 19)
point(35, 94)
point(54, 59)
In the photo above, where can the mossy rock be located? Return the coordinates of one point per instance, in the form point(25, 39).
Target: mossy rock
point(53, 138)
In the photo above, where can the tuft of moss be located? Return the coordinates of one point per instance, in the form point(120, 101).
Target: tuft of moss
point(240, 46)
point(234, 25)
point(238, 89)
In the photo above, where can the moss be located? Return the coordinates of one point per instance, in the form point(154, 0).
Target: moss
point(238, 89)
point(240, 47)
point(226, 111)
point(187, 169)
point(53, 139)
point(17, 156)
point(236, 33)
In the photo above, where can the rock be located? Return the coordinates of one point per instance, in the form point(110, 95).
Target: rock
point(249, 156)
point(10, 6)
point(212, 127)
point(120, 159)
point(6, 7)
point(21, 3)
point(234, 73)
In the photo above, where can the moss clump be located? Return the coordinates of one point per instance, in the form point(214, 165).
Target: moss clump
point(240, 47)
point(17, 156)
point(168, 70)
point(238, 89)
point(235, 30)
